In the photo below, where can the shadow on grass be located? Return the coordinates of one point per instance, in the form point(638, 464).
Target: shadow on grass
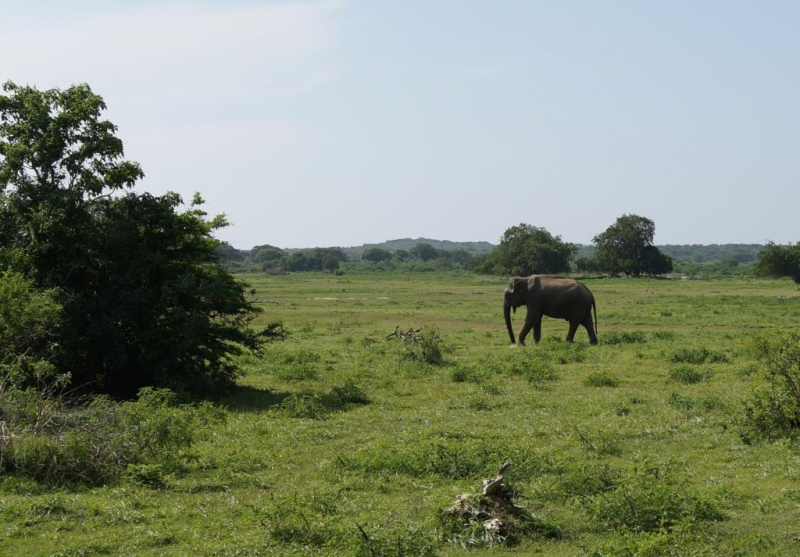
point(249, 399)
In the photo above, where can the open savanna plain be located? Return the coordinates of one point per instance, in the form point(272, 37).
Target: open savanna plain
point(337, 441)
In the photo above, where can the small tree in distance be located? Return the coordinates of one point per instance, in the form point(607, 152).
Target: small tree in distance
point(375, 255)
point(779, 261)
point(627, 247)
point(527, 250)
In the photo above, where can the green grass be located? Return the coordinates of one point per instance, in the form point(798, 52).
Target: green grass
point(339, 442)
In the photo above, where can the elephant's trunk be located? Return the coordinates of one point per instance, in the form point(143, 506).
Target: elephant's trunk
point(507, 315)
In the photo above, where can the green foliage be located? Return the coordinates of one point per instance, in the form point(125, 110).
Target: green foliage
point(627, 247)
point(697, 356)
point(688, 375)
point(142, 291)
point(350, 393)
point(779, 261)
point(650, 500)
point(601, 379)
point(426, 347)
point(305, 406)
point(623, 337)
point(95, 441)
point(526, 250)
point(376, 255)
point(29, 325)
point(773, 411)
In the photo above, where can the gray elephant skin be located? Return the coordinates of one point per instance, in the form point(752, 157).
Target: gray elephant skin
point(551, 296)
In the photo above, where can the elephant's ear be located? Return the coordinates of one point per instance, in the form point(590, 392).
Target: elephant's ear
point(536, 283)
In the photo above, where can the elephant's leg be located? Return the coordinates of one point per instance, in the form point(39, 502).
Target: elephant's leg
point(526, 328)
point(537, 329)
point(573, 326)
point(587, 323)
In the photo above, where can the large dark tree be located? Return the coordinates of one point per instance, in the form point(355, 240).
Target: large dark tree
point(527, 250)
point(627, 247)
point(779, 261)
point(376, 255)
point(144, 298)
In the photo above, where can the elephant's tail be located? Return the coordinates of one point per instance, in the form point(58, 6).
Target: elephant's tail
point(594, 307)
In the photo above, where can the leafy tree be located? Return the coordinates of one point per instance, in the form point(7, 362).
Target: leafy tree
point(401, 256)
point(527, 250)
point(144, 298)
point(327, 259)
point(627, 247)
point(266, 257)
point(376, 255)
point(779, 261)
point(425, 252)
point(297, 261)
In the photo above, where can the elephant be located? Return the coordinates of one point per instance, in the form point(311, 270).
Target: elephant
point(553, 296)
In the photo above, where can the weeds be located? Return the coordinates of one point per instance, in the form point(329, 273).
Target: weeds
point(58, 442)
point(623, 337)
point(601, 379)
point(651, 500)
point(688, 375)
point(698, 356)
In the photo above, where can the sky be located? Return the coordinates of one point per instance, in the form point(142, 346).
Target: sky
point(343, 122)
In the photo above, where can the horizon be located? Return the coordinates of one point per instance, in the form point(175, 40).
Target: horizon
point(423, 240)
point(344, 121)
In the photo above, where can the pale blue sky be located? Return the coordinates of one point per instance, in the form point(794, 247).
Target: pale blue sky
point(340, 122)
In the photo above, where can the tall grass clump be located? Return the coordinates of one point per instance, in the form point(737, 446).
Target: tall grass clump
point(60, 440)
point(688, 375)
point(698, 356)
point(651, 500)
point(623, 337)
point(425, 346)
point(773, 411)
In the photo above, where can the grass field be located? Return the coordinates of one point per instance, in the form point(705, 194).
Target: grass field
point(337, 441)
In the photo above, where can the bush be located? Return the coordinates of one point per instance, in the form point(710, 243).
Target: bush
point(29, 325)
point(95, 441)
point(688, 375)
point(144, 298)
point(623, 337)
point(698, 356)
point(350, 393)
point(601, 379)
point(652, 500)
point(773, 411)
point(426, 347)
point(305, 406)
point(540, 370)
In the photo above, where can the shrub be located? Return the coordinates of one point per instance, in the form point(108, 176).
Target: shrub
point(688, 375)
point(623, 337)
point(698, 356)
point(304, 406)
point(29, 323)
point(539, 371)
point(562, 352)
point(601, 379)
point(350, 393)
point(652, 500)
point(94, 441)
point(426, 347)
point(773, 411)
point(464, 374)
